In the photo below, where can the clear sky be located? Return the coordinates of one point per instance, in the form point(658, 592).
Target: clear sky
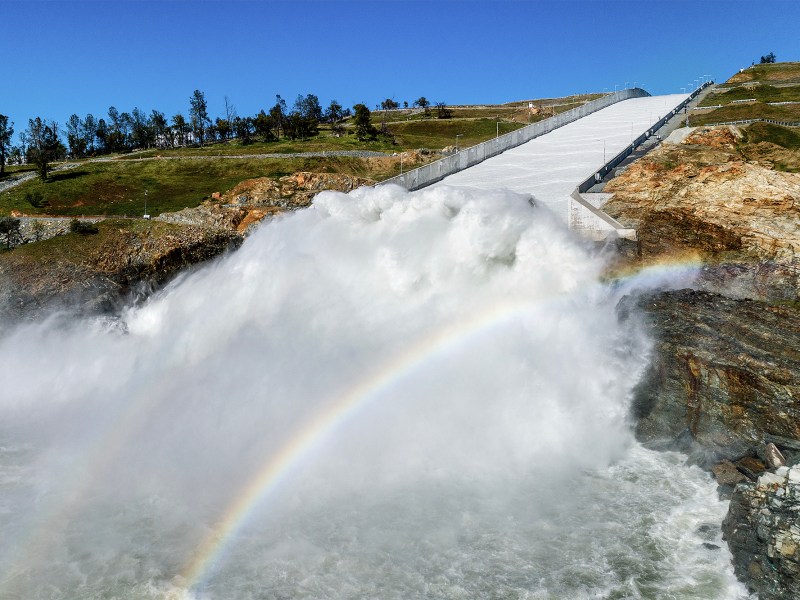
point(61, 57)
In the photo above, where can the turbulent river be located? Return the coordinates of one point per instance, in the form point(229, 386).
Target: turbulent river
point(387, 395)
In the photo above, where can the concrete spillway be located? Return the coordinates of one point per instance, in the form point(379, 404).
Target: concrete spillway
point(551, 166)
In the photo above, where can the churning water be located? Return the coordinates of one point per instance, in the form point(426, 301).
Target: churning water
point(387, 395)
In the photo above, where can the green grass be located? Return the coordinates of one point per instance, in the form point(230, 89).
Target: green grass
point(775, 134)
point(442, 132)
point(117, 188)
point(325, 141)
point(785, 71)
point(740, 112)
point(79, 248)
point(762, 93)
point(16, 170)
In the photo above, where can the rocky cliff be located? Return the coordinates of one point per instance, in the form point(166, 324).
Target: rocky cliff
point(724, 382)
point(763, 532)
point(97, 273)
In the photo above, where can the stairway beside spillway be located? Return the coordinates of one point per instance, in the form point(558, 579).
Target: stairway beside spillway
point(556, 163)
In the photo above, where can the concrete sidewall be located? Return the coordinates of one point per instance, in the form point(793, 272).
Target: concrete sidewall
point(438, 170)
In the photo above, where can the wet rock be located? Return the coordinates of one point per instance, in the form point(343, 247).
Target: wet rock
point(771, 455)
point(726, 473)
point(726, 371)
point(762, 529)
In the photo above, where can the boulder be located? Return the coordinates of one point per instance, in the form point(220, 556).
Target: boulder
point(762, 529)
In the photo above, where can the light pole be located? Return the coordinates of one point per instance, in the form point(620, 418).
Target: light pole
point(458, 135)
point(604, 150)
point(401, 163)
point(683, 90)
point(498, 124)
point(615, 87)
point(146, 216)
point(626, 85)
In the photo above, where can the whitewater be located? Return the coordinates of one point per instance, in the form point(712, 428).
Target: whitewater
point(386, 395)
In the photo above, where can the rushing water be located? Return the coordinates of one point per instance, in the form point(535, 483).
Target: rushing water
point(387, 395)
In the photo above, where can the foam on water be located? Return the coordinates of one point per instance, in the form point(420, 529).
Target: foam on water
point(386, 395)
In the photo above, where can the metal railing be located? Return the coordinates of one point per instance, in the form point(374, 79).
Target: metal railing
point(463, 159)
point(611, 164)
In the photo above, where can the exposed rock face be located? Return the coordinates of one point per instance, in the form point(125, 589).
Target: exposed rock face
point(249, 202)
point(763, 531)
point(292, 191)
point(741, 218)
point(724, 383)
point(726, 370)
point(98, 273)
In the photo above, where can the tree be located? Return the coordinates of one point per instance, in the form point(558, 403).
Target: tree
point(198, 115)
point(181, 128)
point(768, 59)
point(230, 111)
point(308, 107)
point(363, 123)
point(278, 114)
point(333, 114)
point(101, 134)
point(243, 129)
point(389, 104)
point(89, 132)
point(6, 131)
point(9, 228)
point(15, 156)
point(263, 124)
point(423, 103)
point(75, 136)
point(158, 122)
point(44, 144)
point(442, 112)
point(141, 130)
point(223, 127)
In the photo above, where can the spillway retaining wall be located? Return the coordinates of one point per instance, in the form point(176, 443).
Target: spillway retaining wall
point(438, 170)
point(606, 168)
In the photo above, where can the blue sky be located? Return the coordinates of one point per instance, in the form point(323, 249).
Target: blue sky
point(60, 57)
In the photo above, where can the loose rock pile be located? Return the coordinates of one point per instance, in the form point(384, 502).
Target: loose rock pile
point(763, 530)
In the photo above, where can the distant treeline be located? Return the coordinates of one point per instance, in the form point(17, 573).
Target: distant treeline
point(42, 142)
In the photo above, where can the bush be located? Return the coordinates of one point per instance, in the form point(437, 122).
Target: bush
point(83, 227)
point(36, 200)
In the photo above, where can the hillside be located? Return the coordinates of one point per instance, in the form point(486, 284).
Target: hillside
point(769, 91)
point(177, 178)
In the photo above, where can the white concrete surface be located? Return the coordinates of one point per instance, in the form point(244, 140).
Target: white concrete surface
point(551, 166)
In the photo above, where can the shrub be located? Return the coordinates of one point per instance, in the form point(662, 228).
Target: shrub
point(83, 227)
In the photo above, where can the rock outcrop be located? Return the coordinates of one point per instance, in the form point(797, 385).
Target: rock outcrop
point(252, 200)
point(724, 380)
point(703, 199)
point(98, 273)
point(725, 370)
point(763, 531)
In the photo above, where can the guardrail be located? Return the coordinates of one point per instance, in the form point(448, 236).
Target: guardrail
point(606, 168)
point(748, 121)
point(591, 220)
point(438, 170)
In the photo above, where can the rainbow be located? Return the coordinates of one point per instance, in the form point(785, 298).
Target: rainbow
point(280, 466)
